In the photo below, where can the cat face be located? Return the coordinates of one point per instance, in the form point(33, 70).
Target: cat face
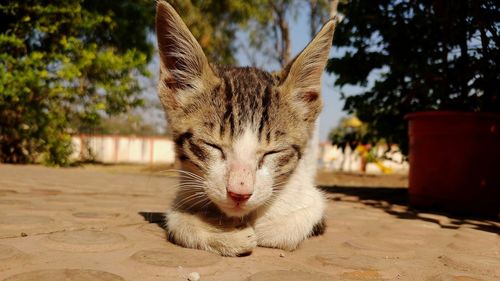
point(242, 137)
point(242, 130)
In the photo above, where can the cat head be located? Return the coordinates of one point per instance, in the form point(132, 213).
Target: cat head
point(243, 131)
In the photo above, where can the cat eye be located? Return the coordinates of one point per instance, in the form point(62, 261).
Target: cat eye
point(269, 153)
point(214, 146)
point(272, 152)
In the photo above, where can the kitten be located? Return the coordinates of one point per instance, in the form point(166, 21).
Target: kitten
point(246, 142)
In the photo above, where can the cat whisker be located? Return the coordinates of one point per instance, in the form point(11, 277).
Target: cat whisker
point(189, 199)
point(185, 179)
point(201, 201)
point(194, 184)
point(184, 172)
point(189, 189)
point(187, 184)
point(190, 181)
point(192, 191)
point(206, 204)
point(190, 185)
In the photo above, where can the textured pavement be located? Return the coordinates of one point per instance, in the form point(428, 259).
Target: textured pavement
point(85, 224)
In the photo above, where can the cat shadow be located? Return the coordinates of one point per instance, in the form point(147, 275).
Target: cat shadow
point(157, 218)
point(394, 201)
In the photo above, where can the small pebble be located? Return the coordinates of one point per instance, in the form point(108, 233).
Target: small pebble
point(23, 234)
point(282, 255)
point(194, 276)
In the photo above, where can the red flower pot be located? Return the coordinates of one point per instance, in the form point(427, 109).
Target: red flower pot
point(455, 161)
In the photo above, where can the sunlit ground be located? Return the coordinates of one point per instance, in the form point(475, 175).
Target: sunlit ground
point(88, 223)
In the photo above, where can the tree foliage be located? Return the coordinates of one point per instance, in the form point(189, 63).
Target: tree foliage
point(417, 55)
point(63, 63)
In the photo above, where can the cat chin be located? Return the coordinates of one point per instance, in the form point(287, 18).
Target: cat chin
point(235, 211)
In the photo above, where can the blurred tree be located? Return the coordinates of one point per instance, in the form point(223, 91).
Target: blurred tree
point(65, 66)
point(269, 27)
point(322, 10)
point(214, 24)
point(66, 62)
point(268, 32)
point(431, 54)
point(126, 124)
point(350, 132)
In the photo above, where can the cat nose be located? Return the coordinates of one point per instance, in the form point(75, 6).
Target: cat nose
point(240, 182)
point(238, 197)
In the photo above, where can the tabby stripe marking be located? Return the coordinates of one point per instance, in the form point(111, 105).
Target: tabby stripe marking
point(228, 90)
point(266, 100)
point(297, 148)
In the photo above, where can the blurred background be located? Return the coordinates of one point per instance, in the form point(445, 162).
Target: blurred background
point(78, 78)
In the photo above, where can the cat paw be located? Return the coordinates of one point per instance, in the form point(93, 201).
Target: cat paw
point(235, 243)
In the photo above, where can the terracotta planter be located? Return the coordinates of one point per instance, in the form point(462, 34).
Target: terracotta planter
point(455, 161)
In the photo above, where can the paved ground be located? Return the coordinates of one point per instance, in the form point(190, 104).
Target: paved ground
point(84, 224)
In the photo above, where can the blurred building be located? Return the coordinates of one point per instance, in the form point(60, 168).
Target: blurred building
point(386, 159)
point(114, 149)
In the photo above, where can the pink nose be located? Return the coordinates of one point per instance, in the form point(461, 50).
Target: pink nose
point(238, 198)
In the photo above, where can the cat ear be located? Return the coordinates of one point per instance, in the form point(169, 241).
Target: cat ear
point(301, 78)
point(184, 68)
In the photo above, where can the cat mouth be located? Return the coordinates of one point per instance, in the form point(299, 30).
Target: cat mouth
point(237, 206)
point(236, 209)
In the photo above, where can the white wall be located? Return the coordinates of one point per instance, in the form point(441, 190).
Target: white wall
point(123, 149)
